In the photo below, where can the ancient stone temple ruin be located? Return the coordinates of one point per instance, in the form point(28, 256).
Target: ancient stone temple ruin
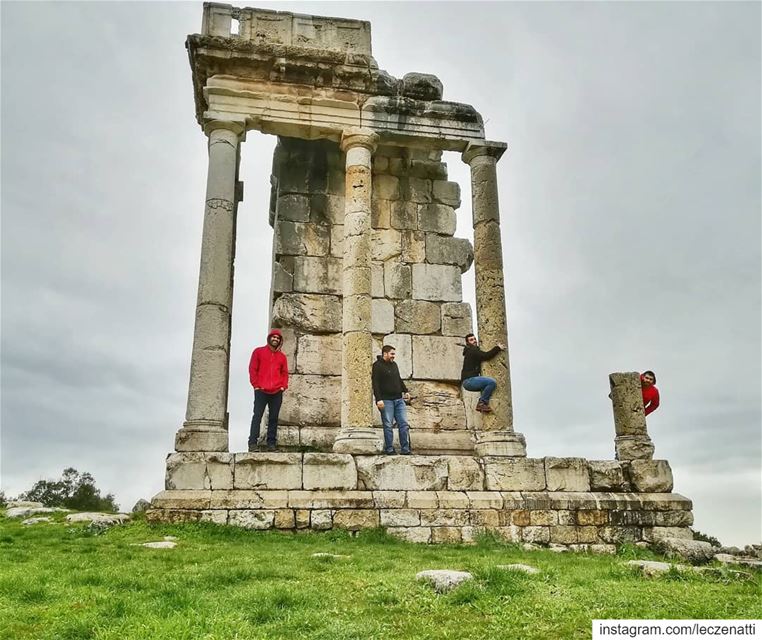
point(364, 254)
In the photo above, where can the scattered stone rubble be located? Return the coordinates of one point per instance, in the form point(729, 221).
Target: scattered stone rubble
point(443, 580)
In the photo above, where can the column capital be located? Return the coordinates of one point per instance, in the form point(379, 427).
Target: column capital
point(358, 137)
point(236, 126)
point(483, 148)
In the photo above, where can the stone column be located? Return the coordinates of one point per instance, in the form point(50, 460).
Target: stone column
point(632, 441)
point(357, 434)
point(205, 426)
point(496, 437)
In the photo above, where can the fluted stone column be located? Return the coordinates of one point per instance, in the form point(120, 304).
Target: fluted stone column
point(632, 441)
point(496, 437)
point(205, 426)
point(356, 434)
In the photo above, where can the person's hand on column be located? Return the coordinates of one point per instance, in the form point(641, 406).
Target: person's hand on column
point(501, 345)
point(380, 405)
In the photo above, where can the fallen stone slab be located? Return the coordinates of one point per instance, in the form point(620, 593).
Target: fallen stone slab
point(334, 556)
point(170, 537)
point(23, 503)
point(530, 546)
point(100, 518)
point(443, 580)
point(525, 568)
point(694, 551)
point(30, 521)
point(26, 512)
point(745, 561)
point(557, 548)
point(141, 506)
point(162, 544)
point(652, 567)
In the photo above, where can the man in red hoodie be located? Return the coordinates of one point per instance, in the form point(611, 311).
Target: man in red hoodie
point(650, 392)
point(268, 373)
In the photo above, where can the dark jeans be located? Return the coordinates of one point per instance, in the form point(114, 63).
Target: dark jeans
point(395, 409)
point(272, 401)
point(481, 383)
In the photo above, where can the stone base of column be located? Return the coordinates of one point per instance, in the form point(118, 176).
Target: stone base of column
point(506, 444)
point(357, 440)
point(193, 437)
point(634, 447)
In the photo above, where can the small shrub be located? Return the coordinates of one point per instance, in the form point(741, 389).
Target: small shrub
point(703, 537)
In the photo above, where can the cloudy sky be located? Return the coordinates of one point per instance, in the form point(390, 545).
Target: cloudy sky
point(630, 200)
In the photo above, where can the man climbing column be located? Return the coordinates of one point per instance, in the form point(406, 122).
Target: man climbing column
point(470, 375)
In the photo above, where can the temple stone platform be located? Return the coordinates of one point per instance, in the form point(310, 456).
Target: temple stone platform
point(584, 504)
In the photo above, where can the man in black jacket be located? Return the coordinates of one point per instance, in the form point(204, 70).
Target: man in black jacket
point(391, 393)
point(471, 375)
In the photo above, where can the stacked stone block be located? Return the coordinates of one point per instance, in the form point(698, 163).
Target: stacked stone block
point(416, 293)
point(450, 498)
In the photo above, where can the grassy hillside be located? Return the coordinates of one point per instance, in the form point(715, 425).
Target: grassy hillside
point(62, 582)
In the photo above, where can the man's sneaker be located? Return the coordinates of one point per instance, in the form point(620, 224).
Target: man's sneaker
point(406, 453)
point(271, 447)
point(253, 448)
point(483, 407)
point(391, 452)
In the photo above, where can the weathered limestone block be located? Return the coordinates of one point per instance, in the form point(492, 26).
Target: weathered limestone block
point(284, 519)
point(448, 250)
point(413, 246)
point(248, 519)
point(695, 551)
point(312, 400)
point(657, 534)
point(319, 354)
point(485, 499)
point(567, 517)
point(593, 517)
point(381, 214)
point(283, 275)
point(301, 518)
point(663, 501)
point(327, 209)
point(309, 312)
point(437, 218)
point(385, 244)
point(329, 471)
point(268, 471)
point(355, 519)
point(416, 316)
point(417, 190)
point(248, 499)
point(215, 517)
point(437, 282)
point(431, 169)
point(330, 499)
point(627, 400)
point(389, 499)
point(485, 518)
point(639, 518)
point(567, 474)
point(509, 534)
point(404, 215)
point(422, 500)
point(317, 437)
point(633, 448)
point(386, 187)
point(321, 519)
point(317, 275)
point(182, 499)
point(446, 535)
point(672, 518)
point(397, 280)
point(377, 279)
point(400, 518)
point(356, 312)
point(404, 353)
point(421, 535)
point(456, 319)
point(465, 474)
point(619, 535)
point(444, 517)
point(294, 207)
point(543, 517)
point(421, 86)
point(536, 534)
point(395, 473)
point(446, 192)
point(514, 474)
point(199, 471)
point(301, 239)
point(435, 405)
point(437, 358)
point(651, 476)
point(452, 500)
point(606, 475)
point(337, 240)
point(382, 316)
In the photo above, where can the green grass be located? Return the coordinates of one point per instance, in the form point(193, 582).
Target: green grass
point(61, 582)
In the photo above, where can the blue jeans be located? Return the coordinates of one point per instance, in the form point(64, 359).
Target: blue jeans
point(272, 401)
point(397, 410)
point(481, 383)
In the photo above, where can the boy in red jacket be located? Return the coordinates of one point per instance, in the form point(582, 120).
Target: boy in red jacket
point(268, 373)
point(650, 392)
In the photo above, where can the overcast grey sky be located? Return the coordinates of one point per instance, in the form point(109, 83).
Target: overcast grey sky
point(630, 201)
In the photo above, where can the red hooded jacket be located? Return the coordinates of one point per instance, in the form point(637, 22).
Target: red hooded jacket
point(268, 369)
